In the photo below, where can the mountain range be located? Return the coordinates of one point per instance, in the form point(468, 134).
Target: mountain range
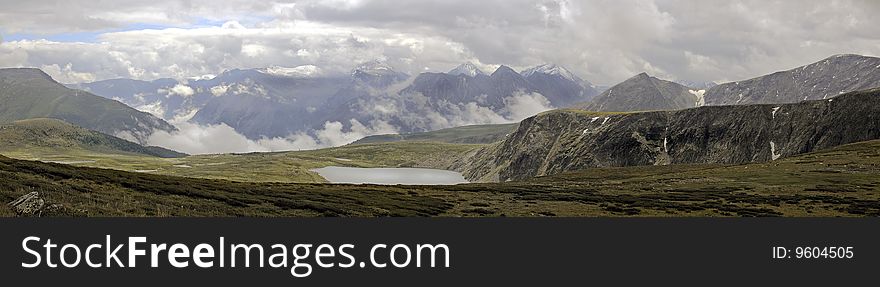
point(824, 79)
point(773, 145)
point(277, 102)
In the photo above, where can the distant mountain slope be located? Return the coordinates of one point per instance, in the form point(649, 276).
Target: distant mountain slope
point(643, 93)
point(489, 91)
point(566, 140)
point(555, 84)
point(166, 98)
point(31, 93)
point(559, 85)
point(821, 80)
point(57, 134)
point(279, 102)
point(475, 134)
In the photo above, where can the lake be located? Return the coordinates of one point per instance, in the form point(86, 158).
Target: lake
point(413, 176)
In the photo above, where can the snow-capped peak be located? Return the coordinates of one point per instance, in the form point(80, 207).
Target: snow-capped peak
point(305, 71)
point(467, 69)
point(375, 68)
point(551, 69)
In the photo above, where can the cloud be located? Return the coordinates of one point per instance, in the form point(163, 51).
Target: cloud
point(219, 90)
point(212, 139)
point(519, 107)
point(603, 41)
point(67, 74)
point(333, 134)
point(182, 90)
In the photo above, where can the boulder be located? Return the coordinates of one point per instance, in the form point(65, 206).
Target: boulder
point(28, 204)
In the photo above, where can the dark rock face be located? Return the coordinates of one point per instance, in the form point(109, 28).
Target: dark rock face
point(643, 93)
point(567, 140)
point(821, 80)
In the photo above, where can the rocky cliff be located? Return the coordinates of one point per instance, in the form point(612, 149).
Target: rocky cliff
point(565, 140)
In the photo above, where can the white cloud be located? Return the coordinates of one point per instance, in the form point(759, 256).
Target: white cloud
point(211, 139)
point(519, 107)
point(605, 41)
point(155, 109)
point(198, 139)
point(333, 134)
point(219, 90)
point(182, 90)
point(67, 74)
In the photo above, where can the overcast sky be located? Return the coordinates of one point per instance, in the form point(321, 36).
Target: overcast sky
point(602, 41)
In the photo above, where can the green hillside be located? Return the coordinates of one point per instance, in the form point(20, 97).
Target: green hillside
point(476, 134)
point(31, 93)
point(293, 166)
point(842, 181)
point(59, 136)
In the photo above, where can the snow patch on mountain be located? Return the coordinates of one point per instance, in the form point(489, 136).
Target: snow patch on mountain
point(551, 69)
point(374, 68)
point(467, 69)
point(701, 99)
point(773, 154)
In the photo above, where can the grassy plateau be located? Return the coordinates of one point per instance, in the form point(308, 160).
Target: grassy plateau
point(843, 181)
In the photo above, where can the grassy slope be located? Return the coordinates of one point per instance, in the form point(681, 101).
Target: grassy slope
point(30, 93)
point(475, 134)
point(843, 181)
point(41, 133)
point(259, 167)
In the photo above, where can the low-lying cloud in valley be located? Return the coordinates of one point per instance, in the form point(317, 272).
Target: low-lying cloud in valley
point(195, 138)
point(208, 139)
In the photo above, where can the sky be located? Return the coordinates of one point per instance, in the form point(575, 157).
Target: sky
point(604, 42)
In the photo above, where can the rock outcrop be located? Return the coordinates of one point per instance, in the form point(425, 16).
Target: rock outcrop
point(566, 140)
point(28, 205)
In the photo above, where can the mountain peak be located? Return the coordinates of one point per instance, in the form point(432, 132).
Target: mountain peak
point(638, 77)
point(375, 68)
point(503, 70)
point(467, 69)
point(643, 93)
point(551, 69)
